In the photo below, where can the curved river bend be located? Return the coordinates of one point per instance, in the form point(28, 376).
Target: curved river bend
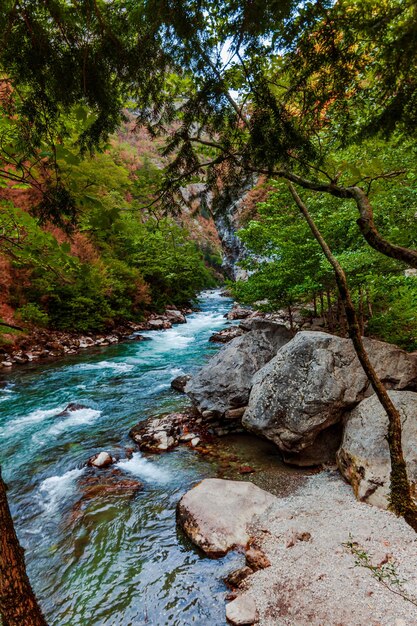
point(110, 560)
point(100, 558)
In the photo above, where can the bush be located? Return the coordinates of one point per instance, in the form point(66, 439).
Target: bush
point(32, 314)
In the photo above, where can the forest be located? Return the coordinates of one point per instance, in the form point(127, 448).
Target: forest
point(154, 149)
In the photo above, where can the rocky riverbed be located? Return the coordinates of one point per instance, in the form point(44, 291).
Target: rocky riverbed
point(40, 345)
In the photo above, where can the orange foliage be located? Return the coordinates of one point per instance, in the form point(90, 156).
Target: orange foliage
point(248, 206)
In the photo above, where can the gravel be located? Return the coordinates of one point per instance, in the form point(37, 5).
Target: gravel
point(313, 580)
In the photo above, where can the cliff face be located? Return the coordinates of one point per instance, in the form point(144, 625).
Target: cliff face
point(224, 211)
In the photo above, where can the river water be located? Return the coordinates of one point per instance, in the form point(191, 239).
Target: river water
point(102, 556)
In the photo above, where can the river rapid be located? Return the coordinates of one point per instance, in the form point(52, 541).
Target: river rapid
point(98, 557)
point(110, 560)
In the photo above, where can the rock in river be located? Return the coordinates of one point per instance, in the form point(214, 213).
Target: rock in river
point(312, 381)
point(179, 383)
point(225, 382)
point(363, 457)
point(216, 514)
point(102, 459)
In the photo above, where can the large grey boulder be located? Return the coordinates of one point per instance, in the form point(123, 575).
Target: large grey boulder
point(217, 514)
point(312, 381)
point(225, 382)
point(363, 457)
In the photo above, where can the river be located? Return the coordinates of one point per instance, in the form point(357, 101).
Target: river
point(98, 557)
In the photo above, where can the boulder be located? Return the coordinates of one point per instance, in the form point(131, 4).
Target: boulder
point(164, 432)
point(238, 313)
point(159, 324)
point(102, 459)
point(72, 406)
point(180, 382)
point(175, 317)
point(363, 457)
point(242, 611)
point(216, 514)
point(312, 381)
point(227, 334)
point(225, 382)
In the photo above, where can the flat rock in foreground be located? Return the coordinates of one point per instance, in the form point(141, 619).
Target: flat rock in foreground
point(216, 514)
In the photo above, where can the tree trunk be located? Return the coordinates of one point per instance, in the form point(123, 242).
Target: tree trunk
point(18, 604)
point(315, 305)
point(361, 313)
point(329, 310)
point(291, 319)
point(401, 501)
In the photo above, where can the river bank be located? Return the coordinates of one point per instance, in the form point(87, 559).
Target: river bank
point(39, 344)
point(333, 561)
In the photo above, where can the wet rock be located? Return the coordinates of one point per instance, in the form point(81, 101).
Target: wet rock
point(164, 432)
point(311, 383)
point(256, 559)
point(195, 441)
point(227, 334)
point(239, 313)
point(96, 486)
point(136, 337)
point(180, 382)
point(225, 382)
point(216, 514)
point(6, 363)
point(175, 317)
point(159, 324)
point(242, 611)
point(72, 406)
point(101, 460)
point(363, 457)
point(235, 578)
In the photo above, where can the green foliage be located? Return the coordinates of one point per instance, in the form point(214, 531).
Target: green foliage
point(385, 572)
point(394, 317)
point(287, 266)
point(121, 262)
point(32, 314)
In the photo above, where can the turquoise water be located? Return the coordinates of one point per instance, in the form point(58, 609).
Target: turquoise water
point(105, 556)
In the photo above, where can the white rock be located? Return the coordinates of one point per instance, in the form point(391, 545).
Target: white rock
point(187, 437)
point(242, 611)
point(103, 459)
point(216, 514)
point(195, 441)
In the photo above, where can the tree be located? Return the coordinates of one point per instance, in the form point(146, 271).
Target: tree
point(401, 499)
point(309, 79)
point(18, 604)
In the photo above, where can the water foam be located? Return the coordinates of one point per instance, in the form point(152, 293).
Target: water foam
point(57, 488)
point(138, 466)
point(34, 417)
point(102, 365)
point(75, 418)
